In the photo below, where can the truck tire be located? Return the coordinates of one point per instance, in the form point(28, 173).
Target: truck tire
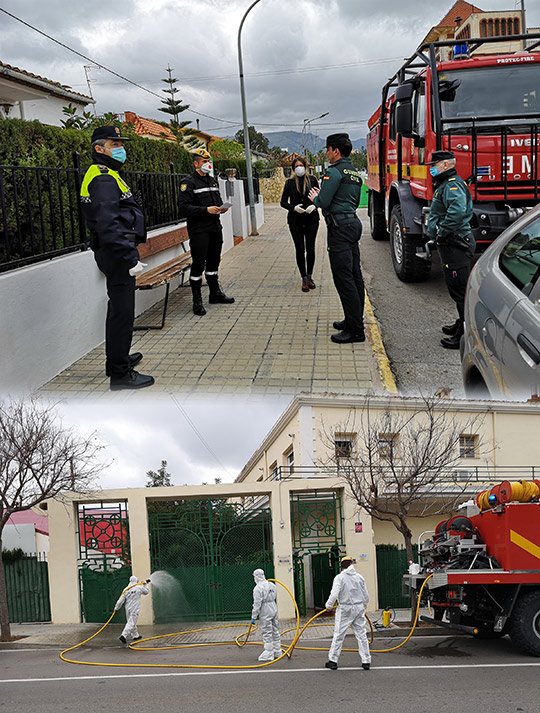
point(408, 267)
point(377, 221)
point(524, 624)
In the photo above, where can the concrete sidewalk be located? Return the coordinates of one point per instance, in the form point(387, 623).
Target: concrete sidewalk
point(66, 635)
point(274, 339)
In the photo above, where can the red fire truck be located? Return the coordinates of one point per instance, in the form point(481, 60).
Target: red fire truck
point(484, 108)
point(486, 569)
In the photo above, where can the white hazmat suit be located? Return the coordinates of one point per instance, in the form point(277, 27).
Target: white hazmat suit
point(265, 607)
point(350, 591)
point(131, 598)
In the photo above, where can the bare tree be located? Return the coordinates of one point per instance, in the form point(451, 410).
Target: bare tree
point(39, 458)
point(404, 461)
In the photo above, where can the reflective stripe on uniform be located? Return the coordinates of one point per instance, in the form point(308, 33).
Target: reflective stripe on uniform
point(205, 190)
point(210, 273)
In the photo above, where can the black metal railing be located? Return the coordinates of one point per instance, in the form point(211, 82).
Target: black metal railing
point(481, 474)
point(40, 213)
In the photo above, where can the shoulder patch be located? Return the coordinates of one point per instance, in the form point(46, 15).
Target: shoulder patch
point(183, 186)
point(453, 188)
point(452, 179)
point(326, 178)
point(103, 169)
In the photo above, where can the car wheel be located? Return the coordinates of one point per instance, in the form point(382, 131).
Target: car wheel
point(524, 624)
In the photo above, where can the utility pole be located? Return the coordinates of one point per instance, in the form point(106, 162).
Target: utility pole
point(87, 67)
point(523, 23)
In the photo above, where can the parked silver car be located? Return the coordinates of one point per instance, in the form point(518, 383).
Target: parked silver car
point(500, 351)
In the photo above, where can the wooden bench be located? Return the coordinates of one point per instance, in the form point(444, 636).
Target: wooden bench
point(163, 274)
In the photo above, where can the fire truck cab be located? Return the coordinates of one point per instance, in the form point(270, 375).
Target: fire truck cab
point(486, 109)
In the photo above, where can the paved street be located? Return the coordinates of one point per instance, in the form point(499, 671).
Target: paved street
point(410, 316)
point(275, 339)
point(443, 674)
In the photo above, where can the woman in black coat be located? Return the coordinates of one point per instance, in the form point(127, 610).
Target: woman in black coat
point(303, 219)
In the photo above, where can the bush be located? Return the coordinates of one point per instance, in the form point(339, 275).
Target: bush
point(12, 555)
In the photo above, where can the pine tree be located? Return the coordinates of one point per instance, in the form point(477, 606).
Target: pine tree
point(173, 105)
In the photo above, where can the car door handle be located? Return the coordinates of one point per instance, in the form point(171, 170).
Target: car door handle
point(529, 348)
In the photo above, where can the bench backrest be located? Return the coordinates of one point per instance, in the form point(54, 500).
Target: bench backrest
point(158, 243)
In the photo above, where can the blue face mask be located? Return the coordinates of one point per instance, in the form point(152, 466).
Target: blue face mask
point(119, 154)
point(434, 170)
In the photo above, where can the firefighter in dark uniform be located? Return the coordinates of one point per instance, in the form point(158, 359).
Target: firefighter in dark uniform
point(201, 205)
point(116, 224)
point(339, 197)
point(449, 224)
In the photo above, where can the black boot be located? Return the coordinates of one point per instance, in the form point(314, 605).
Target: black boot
point(217, 296)
point(452, 329)
point(198, 307)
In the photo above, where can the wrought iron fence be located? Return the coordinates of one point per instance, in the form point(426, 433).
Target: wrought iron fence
point(27, 583)
point(40, 213)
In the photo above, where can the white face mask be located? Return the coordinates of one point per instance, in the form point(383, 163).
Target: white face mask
point(206, 167)
point(300, 171)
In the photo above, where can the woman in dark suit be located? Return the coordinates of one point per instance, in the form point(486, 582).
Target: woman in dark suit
point(303, 219)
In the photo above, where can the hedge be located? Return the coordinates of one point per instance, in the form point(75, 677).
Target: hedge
point(29, 143)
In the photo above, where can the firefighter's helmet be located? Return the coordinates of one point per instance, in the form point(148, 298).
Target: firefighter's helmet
point(201, 153)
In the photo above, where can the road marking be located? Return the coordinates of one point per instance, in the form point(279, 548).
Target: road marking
point(377, 345)
point(18, 651)
point(269, 671)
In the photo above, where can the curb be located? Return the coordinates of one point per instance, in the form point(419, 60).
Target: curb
point(383, 362)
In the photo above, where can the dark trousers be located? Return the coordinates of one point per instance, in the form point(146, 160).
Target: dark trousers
point(456, 264)
point(205, 252)
point(303, 234)
point(344, 254)
point(120, 312)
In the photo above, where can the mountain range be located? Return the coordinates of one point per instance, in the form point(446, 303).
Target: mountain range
point(292, 141)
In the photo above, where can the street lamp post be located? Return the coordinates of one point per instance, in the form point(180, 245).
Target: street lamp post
point(247, 148)
point(307, 122)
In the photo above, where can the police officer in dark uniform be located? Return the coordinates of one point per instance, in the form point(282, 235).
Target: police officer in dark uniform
point(201, 205)
point(339, 197)
point(116, 224)
point(449, 224)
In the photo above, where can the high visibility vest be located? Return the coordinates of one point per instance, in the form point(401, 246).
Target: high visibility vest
point(100, 170)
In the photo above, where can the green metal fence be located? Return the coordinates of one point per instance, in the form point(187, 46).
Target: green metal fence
point(210, 549)
point(391, 566)
point(27, 582)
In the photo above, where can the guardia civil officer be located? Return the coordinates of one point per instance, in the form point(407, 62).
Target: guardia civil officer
point(116, 224)
point(449, 224)
point(201, 205)
point(339, 197)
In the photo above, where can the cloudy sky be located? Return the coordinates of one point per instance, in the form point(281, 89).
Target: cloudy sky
point(200, 438)
point(287, 45)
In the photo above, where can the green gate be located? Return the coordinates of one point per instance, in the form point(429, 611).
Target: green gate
point(391, 566)
point(27, 583)
point(210, 548)
point(104, 559)
point(317, 531)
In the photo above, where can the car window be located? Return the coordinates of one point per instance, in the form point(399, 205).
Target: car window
point(520, 259)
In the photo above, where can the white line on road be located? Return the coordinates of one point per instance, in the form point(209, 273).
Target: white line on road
point(275, 670)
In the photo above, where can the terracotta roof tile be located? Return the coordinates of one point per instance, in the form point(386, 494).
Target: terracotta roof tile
point(148, 127)
point(459, 9)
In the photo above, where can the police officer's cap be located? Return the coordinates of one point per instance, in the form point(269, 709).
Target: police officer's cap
point(437, 156)
point(338, 141)
point(109, 132)
point(201, 153)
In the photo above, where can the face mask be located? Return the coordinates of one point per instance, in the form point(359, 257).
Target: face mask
point(434, 170)
point(300, 171)
point(119, 154)
point(206, 167)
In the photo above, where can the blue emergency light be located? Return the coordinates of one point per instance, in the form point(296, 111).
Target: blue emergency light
point(461, 52)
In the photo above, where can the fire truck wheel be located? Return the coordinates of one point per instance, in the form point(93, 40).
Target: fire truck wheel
point(377, 221)
point(524, 624)
point(408, 267)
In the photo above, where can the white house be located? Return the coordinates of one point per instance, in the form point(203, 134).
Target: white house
point(24, 95)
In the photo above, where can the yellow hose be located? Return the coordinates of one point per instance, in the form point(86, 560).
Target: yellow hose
point(288, 651)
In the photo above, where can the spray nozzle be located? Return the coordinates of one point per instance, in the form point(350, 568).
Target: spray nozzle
point(425, 254)
point(148, 581)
